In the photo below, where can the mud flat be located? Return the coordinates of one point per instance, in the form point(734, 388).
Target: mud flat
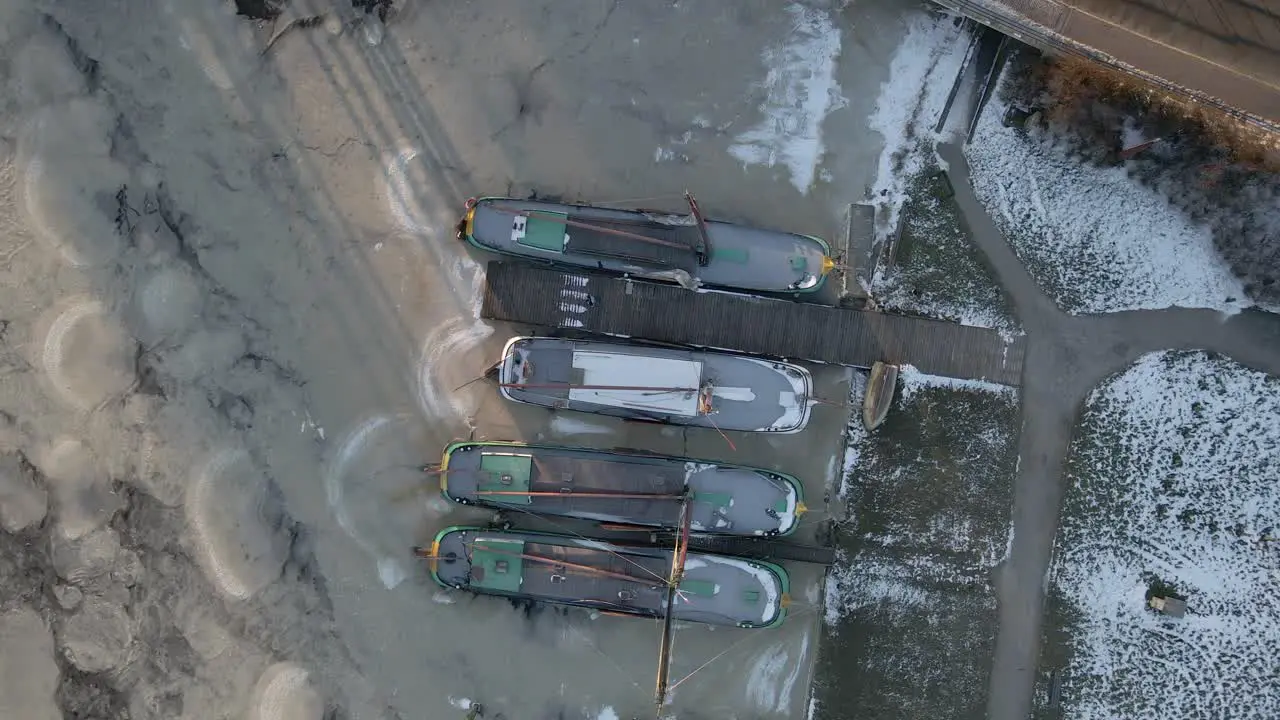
point(84, 497)
point(28, 675)
point(87, 355)
point(378, 494)
point(284, 692)
point(169, 301)
point(236, 522)
point(64, 154)
point(23, 501)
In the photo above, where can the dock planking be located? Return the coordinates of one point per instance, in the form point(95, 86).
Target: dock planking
point(611, 305)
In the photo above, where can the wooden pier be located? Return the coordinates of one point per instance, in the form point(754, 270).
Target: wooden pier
point(610, 305)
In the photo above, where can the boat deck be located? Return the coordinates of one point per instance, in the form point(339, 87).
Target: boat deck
point(719, 591)
point(562, 481)
point(647, 243)
point(601, 304)
point(658, 384)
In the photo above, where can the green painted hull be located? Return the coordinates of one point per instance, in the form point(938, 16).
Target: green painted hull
point(790, 480)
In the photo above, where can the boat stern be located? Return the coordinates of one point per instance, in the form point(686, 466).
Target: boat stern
point(796, 408)
point(512, 366)
point(791, 507)
point(782, 585)
point(813, 266)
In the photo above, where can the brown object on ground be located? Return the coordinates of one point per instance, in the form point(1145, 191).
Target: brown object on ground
point(879, 395)
point(1172, 607)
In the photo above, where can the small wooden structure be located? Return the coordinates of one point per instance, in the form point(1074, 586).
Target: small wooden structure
point(1171, 606)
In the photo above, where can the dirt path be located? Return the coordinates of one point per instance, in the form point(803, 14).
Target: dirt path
point(1067, 356)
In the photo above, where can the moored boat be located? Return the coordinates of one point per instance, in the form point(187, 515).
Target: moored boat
point(688, 249)
point(679, 387)
point(564, 570)
point(623, 488)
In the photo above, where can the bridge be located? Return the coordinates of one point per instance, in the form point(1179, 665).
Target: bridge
point(1222, 53)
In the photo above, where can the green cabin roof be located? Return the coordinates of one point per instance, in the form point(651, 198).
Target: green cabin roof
point(496, 564)
point(506, 473)
point(545, 231)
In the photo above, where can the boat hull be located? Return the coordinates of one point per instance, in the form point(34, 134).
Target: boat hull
point(741, 258)
point(619, 487)
point(563, 570)
point(697, 388)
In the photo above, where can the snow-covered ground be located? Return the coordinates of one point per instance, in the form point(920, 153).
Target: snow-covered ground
point(909, 605)
point(1174, 482)
point(1096, 239)
point(923, 69)
point(935, 270)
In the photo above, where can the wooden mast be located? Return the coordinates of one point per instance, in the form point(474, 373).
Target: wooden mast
point(673, 586)
point(704, 255)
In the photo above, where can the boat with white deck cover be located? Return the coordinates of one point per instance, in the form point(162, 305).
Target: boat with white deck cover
point(697, 388)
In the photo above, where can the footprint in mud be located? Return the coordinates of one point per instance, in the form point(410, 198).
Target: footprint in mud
point(237, 519)
point(378, 493)
point(83, 498)
point(284, 692)
point(68, 177)
point(87, 355)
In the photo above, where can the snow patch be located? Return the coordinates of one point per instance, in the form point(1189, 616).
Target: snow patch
point(913, 380)
point(1175, 480)
point(391, 572)
point(564, 425)
point(921, 74)
point(773, 677)
point(1097, 240)
point(800, 91)
point(855, 434)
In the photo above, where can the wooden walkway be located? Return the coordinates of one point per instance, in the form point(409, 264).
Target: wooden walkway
point(602, 304)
